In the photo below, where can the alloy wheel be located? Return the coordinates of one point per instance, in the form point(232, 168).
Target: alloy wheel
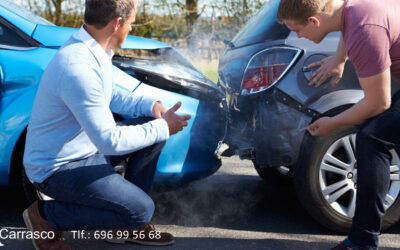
point(338, 176)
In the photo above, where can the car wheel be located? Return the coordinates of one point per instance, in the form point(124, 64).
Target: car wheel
point(273, 175)
point(325, 180)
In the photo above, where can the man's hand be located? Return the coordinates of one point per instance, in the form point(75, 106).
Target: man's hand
point(377, 99)
point(175, 122)
point(328, 67)
point(158, 110)
point(323, 126)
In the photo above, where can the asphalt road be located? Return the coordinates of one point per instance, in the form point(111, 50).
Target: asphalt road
point(233, 209)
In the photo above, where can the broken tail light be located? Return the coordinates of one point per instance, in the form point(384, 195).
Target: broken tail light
point(266, 68)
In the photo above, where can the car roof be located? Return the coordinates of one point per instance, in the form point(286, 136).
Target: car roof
point(43, 31)
point(20, 17)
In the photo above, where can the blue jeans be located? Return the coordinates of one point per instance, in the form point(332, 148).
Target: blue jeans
point(88, 194)
point(374, 139)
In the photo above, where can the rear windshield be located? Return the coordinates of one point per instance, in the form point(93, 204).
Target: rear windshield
point(20, 11)
point(262, 27)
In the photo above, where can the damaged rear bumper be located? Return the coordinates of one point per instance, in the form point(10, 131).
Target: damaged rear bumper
point(267, 128)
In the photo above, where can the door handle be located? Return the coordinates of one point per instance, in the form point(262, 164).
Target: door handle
point(1, 76)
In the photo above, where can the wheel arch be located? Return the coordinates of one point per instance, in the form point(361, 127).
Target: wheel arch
point(333, 100)
point(334, 110)
point(16, 163)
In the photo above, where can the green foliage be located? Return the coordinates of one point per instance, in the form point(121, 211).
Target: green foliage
point(163, 19)
point(196, 27)
point(67, 13)
point(168, 19)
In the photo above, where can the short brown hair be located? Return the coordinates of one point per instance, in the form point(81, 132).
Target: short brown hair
point(100, 12)
point(299, 10)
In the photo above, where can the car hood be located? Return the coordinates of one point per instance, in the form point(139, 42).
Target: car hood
point(168, 69)
point(55, 36)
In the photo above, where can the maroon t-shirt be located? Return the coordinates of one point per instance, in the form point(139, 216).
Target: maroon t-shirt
point(371, 34)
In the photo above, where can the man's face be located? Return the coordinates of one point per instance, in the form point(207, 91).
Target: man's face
point(311, 30)
point(123, 30)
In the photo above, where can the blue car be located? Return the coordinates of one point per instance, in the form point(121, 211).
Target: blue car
point(28, 43)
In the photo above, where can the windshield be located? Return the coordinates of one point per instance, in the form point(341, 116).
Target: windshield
point(22, 12)
point(262, 27)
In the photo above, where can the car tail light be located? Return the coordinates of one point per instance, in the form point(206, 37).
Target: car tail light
point(266, 68)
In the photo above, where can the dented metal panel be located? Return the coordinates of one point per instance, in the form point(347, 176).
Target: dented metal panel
point(267, 130)
point(169, 70)
point(279, 132)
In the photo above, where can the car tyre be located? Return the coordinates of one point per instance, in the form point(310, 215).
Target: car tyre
point(308, 178)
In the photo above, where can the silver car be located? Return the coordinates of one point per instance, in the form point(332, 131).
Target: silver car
point(263, 72)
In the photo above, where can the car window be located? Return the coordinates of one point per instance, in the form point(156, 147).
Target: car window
point(10, 38)
point(264, 26)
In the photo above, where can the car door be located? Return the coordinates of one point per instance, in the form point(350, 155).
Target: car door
point(22, 61)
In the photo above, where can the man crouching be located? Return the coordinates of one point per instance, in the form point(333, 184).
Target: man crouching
point(73, 142)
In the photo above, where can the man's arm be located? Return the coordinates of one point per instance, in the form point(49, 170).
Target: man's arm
point(377, 99)
point(341, 50)
point(331, 66)
point(83, 95)
point(132, 104)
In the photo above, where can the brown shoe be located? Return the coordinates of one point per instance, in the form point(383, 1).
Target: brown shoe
point(36, 223)
point(146, 235)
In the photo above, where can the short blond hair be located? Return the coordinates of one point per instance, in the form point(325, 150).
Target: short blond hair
point(300, 10)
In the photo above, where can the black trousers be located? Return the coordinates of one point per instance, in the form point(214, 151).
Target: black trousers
point(376, 137)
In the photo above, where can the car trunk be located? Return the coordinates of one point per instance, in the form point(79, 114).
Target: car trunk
point(260, 126)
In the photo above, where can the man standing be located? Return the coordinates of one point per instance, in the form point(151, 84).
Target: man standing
point(371, 40)
point(73, 141)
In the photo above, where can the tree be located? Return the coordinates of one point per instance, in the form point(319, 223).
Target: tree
point(54, 11)
point(60, 12)
point(191, 13)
